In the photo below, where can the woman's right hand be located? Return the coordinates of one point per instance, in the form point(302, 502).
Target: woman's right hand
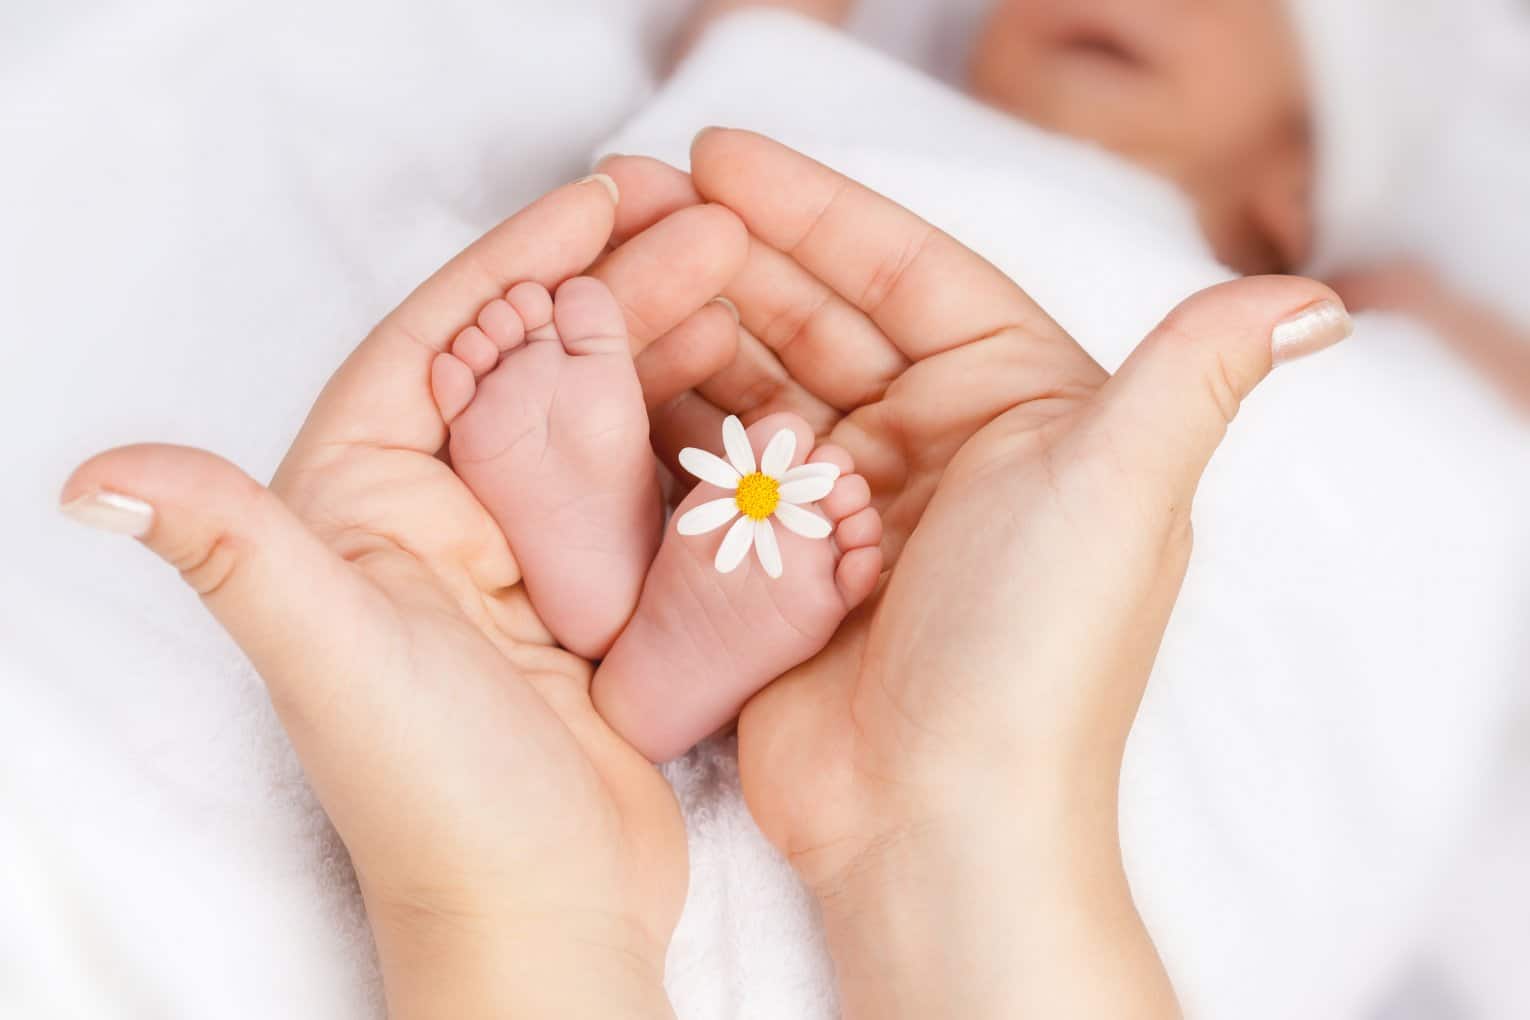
point(944, 775)
point(516, 857)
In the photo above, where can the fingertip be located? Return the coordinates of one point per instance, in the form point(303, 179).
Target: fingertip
point(607, 182)
point(651, 191)
point(1175, 397)
point(729, 307)
point(1315, 328)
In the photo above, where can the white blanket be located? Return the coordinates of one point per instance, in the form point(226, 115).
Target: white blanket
point(204, 211)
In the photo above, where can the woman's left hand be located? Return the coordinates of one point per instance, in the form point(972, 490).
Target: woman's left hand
point(515, 855)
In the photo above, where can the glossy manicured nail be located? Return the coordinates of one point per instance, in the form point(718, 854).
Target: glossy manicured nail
point(606, 182)
point(111, 511)
point(729, 305)
point(1311, 330)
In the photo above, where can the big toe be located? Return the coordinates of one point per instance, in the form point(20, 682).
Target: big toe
point(588, 318)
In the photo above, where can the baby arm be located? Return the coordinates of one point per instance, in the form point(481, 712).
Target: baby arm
point(1495, 346)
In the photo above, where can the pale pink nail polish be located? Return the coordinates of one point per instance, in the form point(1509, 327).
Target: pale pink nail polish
point(111, 511)
point(1311, 330)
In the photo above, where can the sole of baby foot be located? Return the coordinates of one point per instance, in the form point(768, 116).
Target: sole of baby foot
point(549, 431)
point(702, 641)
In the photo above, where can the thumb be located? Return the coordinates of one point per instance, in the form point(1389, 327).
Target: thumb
point(268, 580)
point(1171, 403)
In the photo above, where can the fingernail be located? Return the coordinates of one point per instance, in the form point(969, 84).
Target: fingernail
point(603, 160)
point(111, 511)
point(703, 133)
point(1311, 330)
point(729, 305)
point(607, 183)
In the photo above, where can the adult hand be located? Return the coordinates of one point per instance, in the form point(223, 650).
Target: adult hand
point(514, 854)
point(944, 775)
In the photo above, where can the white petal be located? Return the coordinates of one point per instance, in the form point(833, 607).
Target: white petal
point(778, 453)
point(766, 549)
point(735, 546)
point(708, 517)
point(736, 442)
point(806, 490)
point(802, 522)
point(818, 470)
point(710, 468)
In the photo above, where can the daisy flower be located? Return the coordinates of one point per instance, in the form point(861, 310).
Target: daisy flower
point(758, 494)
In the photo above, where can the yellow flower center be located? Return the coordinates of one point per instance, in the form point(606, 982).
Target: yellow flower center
point(757, 496)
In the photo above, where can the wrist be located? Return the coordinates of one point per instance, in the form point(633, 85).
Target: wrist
point(557, 963)
point(996, 909)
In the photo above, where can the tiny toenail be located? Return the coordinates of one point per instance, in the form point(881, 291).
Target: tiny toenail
point(607, 182)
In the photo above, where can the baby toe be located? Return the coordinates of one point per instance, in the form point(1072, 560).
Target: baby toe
point(762, 432)
point(857, 575)
point(534, 305)
point(475, 350)
point(452, 384)
point(850, 495)
point(859, 531)
point(501, 324)
point(588, 318)
point(836, 455)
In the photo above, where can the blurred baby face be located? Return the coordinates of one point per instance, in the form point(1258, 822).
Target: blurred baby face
point(1208, 93)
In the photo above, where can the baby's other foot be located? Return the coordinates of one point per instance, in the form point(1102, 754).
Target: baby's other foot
point(713, 625)
point(549, 431)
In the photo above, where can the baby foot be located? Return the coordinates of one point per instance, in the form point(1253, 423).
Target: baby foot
point(549, 431)
point(728, 607)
